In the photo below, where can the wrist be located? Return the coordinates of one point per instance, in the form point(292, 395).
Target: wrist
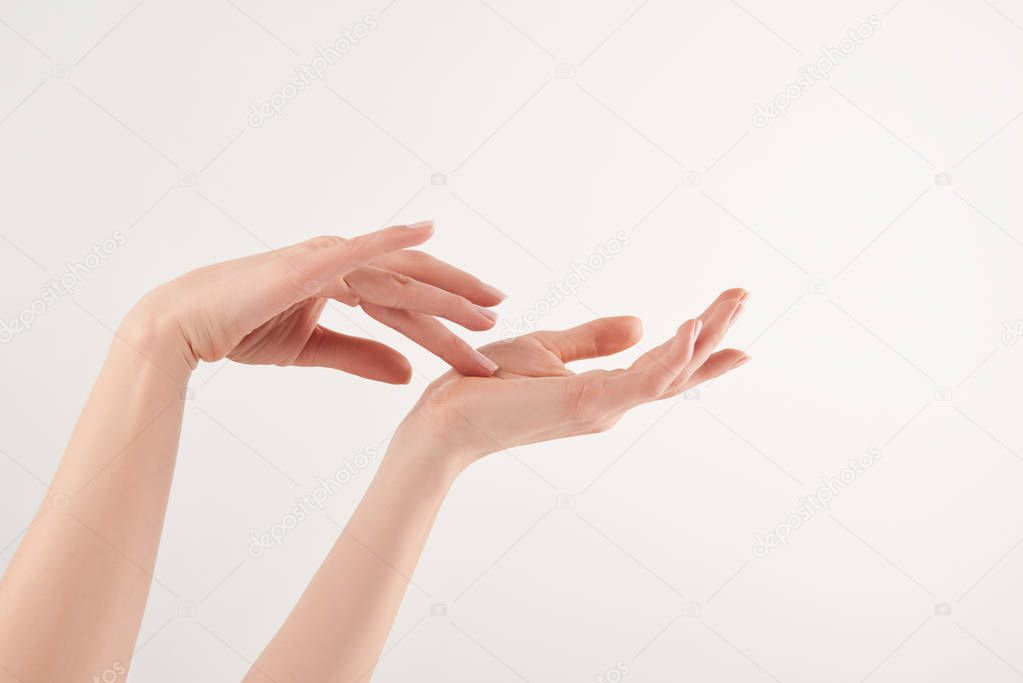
point(151, 331)
point(426, 446)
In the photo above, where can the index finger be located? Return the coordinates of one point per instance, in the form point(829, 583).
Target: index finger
point(323, 258)
point(272, 282)
point(295, 273)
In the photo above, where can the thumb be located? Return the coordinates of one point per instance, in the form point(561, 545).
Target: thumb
point(354, 355)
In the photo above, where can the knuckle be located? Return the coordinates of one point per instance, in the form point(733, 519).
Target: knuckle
point(399, 289)
point(323, 242)
point(459, 304)
point(397, 279)
point(347, 293)
point(416, 257)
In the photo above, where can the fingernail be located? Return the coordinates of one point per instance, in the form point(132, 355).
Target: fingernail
point(736, 313)
point(487, 313)
point(741, 361)
point(494, 291)
point(484, 362)
point(421, 224)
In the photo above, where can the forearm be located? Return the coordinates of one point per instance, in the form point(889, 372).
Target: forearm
point(338, 628)
point(72, 599)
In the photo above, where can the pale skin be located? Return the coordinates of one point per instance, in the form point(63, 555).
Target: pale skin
point(73, 596)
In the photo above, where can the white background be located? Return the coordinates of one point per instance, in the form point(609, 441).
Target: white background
point(884, 312)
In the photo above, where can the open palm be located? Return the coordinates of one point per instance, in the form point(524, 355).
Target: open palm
point(534, 396)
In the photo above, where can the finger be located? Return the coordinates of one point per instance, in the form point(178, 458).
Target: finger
point(655, 354)
point(355, 355)
point(651, 374)
point(716, 365)
point(279, 279)
point(425, 268)
point(713, 331)
point(396, 290)
point(323, 258)
point(601, 337)
point(728, 294)
point(431, 334)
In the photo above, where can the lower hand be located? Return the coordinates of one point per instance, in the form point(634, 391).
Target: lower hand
point(534, 397)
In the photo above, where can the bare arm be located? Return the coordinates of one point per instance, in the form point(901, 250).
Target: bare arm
point(338, 628)
point(73, 597)
point(82, 573)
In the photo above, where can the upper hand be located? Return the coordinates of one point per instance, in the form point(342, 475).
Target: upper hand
point(264, 309)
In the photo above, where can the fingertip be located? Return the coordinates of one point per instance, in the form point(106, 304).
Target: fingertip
point(424, 226)
point(420, 232)
point(632, 328)
point(486, 317)
point(734, 293)
point(396, 371)
point(736, 312)
point(484, 364)
point(492, 294)
point(404, 371)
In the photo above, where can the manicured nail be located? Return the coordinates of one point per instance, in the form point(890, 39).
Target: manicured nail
point(487, 313)
point(740, 362)
point(493, 291)
point(484, 362)
point(421, 224)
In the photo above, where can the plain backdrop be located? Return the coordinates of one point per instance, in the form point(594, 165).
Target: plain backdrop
point(877, 223)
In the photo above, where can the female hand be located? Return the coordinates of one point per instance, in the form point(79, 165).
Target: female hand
point(534, 397)
point(263, 309)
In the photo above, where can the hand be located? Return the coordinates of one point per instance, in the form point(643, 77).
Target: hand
point(534, 397)
point(264, 309)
